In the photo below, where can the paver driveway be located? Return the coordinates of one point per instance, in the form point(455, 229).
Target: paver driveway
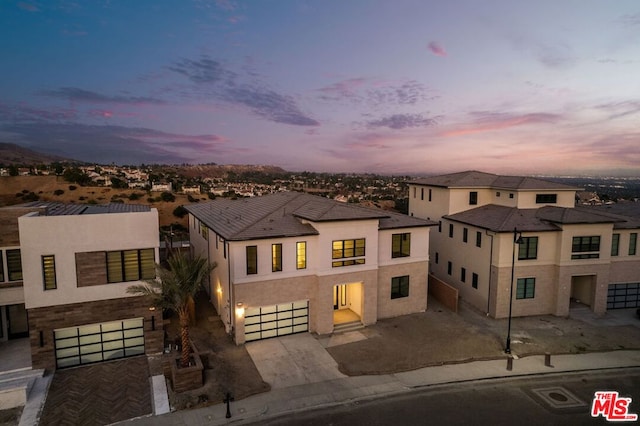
point(99, 394)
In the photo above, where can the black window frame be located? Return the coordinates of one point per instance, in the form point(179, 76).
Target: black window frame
point(251, 253)
point(474, 280)
point(276, 257)
point(465, 234)
point(400, 287)
point(449, 267)
point(478, 239)
point(49, 281)
point(451, 230)
point(585, 247)
point(1, 274)
point(463, 275)
point(528, 248)
point(525, 288)
point(137, 272)
point(14, 264)
point(546, 198)
point(301, 255)
point(633, 243)
point(346, 256)
point(403, 241)
point(473, 198)
point(615, 245)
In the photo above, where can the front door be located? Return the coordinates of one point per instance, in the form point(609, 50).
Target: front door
point(17, 323)
point(340, 297)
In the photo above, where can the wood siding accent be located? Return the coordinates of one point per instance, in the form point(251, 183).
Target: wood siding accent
point(91, 268)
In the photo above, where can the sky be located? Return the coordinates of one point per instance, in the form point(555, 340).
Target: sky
point(393, 87)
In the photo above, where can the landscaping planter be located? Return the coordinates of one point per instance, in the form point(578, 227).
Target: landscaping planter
point(187, 378)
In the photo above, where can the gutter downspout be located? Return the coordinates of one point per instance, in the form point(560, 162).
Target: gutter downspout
point(231, 298)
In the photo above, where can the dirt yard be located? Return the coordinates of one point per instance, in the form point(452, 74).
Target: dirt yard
point(14, 189)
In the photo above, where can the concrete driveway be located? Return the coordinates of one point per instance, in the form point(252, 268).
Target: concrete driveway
point(293, 360)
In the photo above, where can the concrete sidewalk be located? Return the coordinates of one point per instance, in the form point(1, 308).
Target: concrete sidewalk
point(339, 391)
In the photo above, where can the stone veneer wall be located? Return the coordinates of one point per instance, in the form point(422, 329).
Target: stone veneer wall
point(48, 319)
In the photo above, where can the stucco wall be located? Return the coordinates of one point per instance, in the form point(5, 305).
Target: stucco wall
point(417, 299)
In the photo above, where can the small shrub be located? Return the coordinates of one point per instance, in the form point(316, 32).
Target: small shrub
point(58, 192)
point(167, 197)
point(72, 187)
point(19, 194)
point(135, 196)
point(31, 197)
point(25, 191)
point(180, 212)
point(191, 199)
point(151, 200)
point(82, 198)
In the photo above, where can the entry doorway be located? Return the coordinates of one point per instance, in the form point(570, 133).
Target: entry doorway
point(347, 303)
point(17, 322)
point(582, 290)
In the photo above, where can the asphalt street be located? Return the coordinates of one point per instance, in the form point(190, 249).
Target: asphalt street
point(562, 399)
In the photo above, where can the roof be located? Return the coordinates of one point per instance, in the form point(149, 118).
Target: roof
point(628, 213)
point(62, 209)
point(285, 214)
point(475, 179)
point(505, 219)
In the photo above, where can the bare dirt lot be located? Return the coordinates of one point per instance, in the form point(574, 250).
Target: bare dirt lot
point(17, 190)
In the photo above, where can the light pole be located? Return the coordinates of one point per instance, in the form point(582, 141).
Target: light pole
point(517, 239)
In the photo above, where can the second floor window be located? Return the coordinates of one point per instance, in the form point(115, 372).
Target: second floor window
point(633, 242)
point(401, 245)
point(528, 248)
point(451, 230)
point(615, 244)
point(301, 255)
point(546, 198)
point(49, 272)
point(585, 247)
point(465, 235)
point(350, 251)
point(252, 260)
point(276, 257)
point(130, 265)
point(1, 268)
point(473, 198)
point(14, 265)
point(478, 239)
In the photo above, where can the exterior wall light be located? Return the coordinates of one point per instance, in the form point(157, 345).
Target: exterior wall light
point(239, 310)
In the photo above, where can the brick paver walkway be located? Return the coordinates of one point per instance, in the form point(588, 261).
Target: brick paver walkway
point(99, 394)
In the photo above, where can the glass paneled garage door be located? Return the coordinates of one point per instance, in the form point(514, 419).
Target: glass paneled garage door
point(99, 342)
point(276, 320)
point(622, 296)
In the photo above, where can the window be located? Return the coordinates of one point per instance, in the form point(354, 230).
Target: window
point(400, 287)
point(49, 272)
point(439, 226)
point(546, 198)
point(1, 278)
point(449, 267)
point(437, 257)
point(401, 245)
point(352, 251)
point(14, 265)
point(511, 195)
point(615, 244)
point(633, 242)
point(301, 255)
point(422, 193)
point(276, 257)
point(585, 247)
point(525, 288)
point(478, 239)
point(474, 280)
point(429, 194)
point(252, 260)
point(130, 265)
point(473, 198)
point(528, 248)
point(463, 274)
point(451, 230)
point(497, 193)
point(414, 192)
point(204, 231)
point(465, 235)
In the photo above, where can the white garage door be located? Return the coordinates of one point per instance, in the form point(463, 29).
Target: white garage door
point(276, 320)
point(98, 342)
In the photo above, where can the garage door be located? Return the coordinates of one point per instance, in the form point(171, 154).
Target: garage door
point(276, 320)
point(622, 296)
point(98, 342)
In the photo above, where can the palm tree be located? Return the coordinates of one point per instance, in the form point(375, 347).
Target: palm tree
point(174, 288)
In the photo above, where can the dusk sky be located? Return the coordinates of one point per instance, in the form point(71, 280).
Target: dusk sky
point(395, 87)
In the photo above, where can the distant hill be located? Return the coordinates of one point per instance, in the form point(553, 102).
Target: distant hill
point(222, 170)
point(12, 154)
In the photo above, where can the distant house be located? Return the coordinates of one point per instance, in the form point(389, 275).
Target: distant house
point(67, 271)
point(161, 186)
point(290, 262)
point(195, 189)
point(490, 226)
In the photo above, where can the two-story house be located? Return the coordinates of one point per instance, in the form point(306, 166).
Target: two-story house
point(291, 262)
point(75, 264)
point(520, 242)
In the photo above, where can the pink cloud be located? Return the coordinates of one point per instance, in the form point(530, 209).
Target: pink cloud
point(436, 49)
point(491, 122)
point(344, 87)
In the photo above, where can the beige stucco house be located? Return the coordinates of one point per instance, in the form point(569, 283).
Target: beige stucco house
point(490, 226)
point(292, 262)
point(74, 265)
